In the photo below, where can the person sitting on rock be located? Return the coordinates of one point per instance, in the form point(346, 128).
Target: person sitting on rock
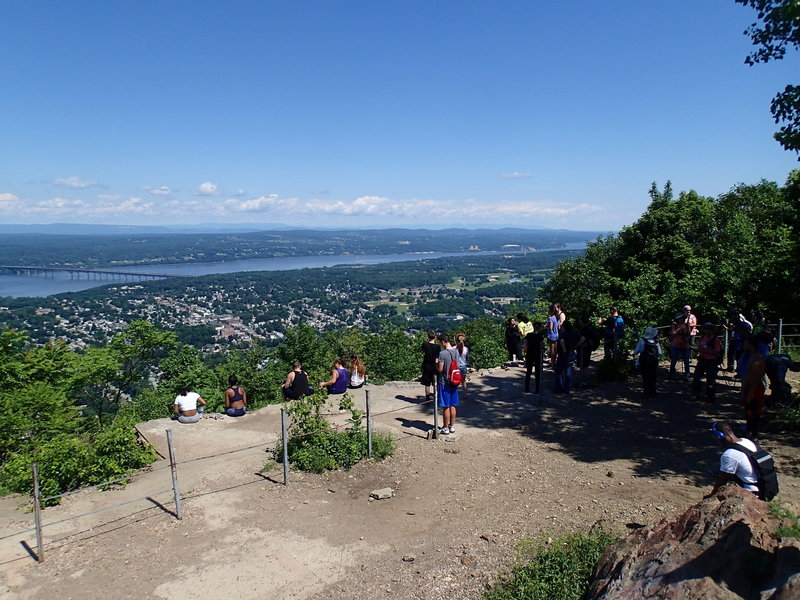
point(185, 406)
point(734, 465)
point(235, 398)
point(337, 384)
point(296, 384)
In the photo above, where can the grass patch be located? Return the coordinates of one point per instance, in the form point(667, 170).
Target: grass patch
point(560, 570)
point(790, 522)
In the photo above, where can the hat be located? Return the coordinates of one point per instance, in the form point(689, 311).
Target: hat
point(687, 307)
point(650, 333)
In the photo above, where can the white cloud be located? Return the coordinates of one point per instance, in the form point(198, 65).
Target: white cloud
point(207, 189)
point(60, 204)
point(261, 204)
point(8, 200)
point(74, 182)
point(158, 191)
point(516, 175)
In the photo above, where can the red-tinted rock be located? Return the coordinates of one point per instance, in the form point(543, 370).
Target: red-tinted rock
point(719, 549)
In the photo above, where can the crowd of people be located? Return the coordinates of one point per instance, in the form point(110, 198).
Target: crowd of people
point(562, 346)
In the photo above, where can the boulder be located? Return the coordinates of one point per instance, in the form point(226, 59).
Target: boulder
point(721, 548)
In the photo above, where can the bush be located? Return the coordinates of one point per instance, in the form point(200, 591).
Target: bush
point(66, 463)
point(613, 369)
point(315, 446)
point(561, 570)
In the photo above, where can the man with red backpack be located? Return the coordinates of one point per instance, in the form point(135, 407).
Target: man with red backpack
point(449, 380)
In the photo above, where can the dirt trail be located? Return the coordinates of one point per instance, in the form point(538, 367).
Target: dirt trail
point(519, 466)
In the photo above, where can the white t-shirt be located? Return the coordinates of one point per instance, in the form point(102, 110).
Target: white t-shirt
point(356, 379)
point(189, 401)
point(736, 463)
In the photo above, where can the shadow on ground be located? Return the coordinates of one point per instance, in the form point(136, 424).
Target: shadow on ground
point(665, 436)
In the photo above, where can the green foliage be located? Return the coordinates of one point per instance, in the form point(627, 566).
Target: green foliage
point(736, 250)
point(317, 447)
point(561, 570)
point(787, 419)
point(485, 343)
point(32, 414)
point(392, 355)
point(790, 522)
point(778, 28)
point(613, 369)
point(149, 404)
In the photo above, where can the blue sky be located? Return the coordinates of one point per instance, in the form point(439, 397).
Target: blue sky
point(363, 114)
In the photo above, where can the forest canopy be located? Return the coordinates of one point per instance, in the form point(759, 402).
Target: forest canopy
point(737, 250)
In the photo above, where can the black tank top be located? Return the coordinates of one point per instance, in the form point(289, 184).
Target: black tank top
point(300, 383)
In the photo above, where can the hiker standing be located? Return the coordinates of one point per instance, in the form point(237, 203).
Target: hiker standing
point(430, 352)
point(708, 360)
point(647, 353)
point(448, 394)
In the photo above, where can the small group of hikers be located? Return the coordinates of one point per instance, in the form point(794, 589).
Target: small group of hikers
point(749, 357)
point(342, 378)
point(189, 406)
point(566, 345)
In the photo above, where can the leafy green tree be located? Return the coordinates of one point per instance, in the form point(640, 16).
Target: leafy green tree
point(776, 30)
point(392, 355)
point(104, 377)
point(737, 250)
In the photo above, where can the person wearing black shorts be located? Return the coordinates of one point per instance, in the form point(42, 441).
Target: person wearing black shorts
point(430, 352)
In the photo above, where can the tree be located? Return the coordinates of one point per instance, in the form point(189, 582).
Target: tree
point(778, 28)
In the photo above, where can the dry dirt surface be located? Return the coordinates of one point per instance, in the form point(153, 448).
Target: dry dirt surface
point(520, 466)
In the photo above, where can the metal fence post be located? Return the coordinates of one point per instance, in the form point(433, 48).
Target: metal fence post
point(540, 379)
point(369, 428)
point(285, 438)
point(174, 469)
point(780, 335)
point(727, 356)
point(37, 514)
point(436, 408)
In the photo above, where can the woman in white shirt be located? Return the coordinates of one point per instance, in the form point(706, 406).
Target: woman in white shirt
point(185, 406)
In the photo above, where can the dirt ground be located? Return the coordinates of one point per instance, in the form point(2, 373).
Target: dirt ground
point(520, 466)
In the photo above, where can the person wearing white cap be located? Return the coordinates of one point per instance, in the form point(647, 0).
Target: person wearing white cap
point(647, 353)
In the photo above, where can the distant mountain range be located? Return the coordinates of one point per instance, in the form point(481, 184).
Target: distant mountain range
point(94, 229)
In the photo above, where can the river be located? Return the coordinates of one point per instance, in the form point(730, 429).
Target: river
point(17, 286)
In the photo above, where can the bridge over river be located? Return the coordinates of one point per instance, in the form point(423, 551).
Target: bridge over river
point(76, 273)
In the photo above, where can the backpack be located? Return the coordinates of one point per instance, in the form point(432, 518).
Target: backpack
point(764, 466)
point(650, 352)
point(592, 338)
point(454, 377)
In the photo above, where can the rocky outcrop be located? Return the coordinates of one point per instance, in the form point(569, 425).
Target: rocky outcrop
point(719, 549)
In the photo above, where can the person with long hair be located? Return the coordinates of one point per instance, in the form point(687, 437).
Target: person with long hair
point(461, 360)
point(358, 373)
point(552, 334)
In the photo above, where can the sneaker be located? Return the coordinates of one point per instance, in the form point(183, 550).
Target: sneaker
point(452, 429)
point(443, 431)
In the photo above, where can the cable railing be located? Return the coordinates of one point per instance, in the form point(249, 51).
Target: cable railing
point(173, 464)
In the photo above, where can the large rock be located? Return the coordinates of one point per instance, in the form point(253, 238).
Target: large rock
point(719, 549)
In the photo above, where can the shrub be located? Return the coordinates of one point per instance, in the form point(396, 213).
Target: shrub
point(561, 570)
point(316, 446)
point(613, 369)
point(790, 522)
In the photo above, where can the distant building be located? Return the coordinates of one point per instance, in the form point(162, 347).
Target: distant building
point(474, 248)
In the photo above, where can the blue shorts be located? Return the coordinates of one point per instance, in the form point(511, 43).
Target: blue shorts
point(448, 396)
